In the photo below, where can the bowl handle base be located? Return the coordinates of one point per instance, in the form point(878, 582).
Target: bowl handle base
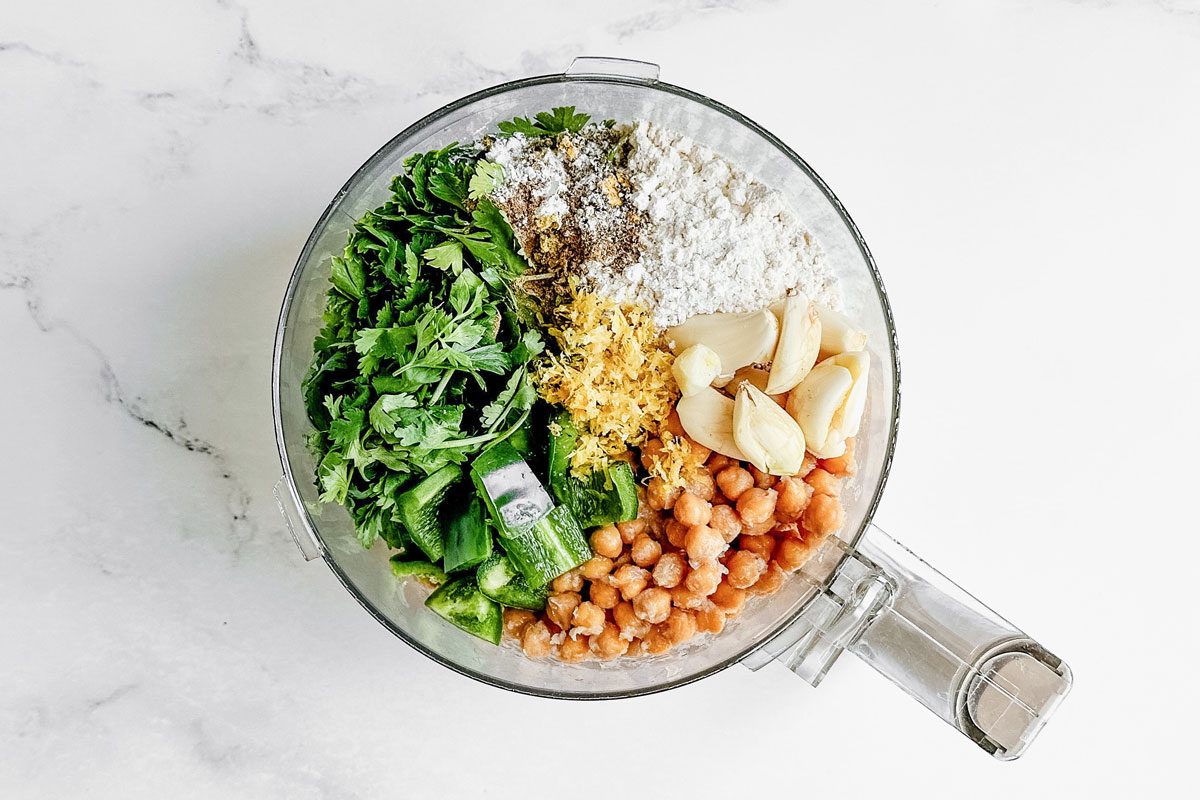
point(293, 519)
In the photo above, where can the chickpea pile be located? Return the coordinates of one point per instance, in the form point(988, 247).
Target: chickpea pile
point(689, 561)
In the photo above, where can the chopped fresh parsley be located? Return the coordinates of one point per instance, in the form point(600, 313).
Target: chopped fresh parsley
point(422, 357)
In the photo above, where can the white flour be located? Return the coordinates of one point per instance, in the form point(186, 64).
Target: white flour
point(543, 171)
point(714, 238)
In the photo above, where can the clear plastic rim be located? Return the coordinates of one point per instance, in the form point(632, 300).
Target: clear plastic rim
point(293, 281)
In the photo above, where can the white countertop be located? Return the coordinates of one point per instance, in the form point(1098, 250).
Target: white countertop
point(1025, 173)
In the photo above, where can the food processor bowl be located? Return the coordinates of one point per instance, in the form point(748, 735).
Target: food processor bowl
point(843, 594)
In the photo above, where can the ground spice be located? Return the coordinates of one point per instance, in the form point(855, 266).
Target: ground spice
point(567, 198)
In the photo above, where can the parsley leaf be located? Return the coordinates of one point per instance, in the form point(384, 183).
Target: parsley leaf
point(447, 255)
point(547, 123)
point(348, 276)
point(488, 176)
point(488, 217)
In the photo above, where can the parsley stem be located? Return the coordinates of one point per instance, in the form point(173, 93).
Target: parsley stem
point(508, 404)
point(441, 387)
point(486, 437)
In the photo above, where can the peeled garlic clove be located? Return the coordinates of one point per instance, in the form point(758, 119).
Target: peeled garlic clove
point(799, 344)
point(707, 417)
point(838, 334)
point(755, 376)
point(849, 416)
point(770, 438)
point(695, 368)
point(814, 403)
point(739, 339)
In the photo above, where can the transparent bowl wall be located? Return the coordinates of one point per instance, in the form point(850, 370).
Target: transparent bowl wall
point(365, 574)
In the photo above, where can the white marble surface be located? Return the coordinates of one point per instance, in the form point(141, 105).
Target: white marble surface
point(1026, 174)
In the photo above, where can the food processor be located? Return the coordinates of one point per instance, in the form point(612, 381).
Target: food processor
point(862, 592)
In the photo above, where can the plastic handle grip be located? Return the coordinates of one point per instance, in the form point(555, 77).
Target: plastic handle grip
point(622, 67)
point(961, 660)
point(308, 545)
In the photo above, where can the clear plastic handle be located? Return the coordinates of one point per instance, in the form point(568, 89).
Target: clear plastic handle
point(607, 65)
point(960, 659)
point(289, 507)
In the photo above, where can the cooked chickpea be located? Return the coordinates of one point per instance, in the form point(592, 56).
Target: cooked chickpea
point(652, 605)
point(587, 619)
point(673, 425)
point(603, 594)
point(823, 515)
point(627, 620)
point(691, 510)
point(560, 607)
point(630, 580)
point(733, 480)
point(651, 453)
point(608, 643)
point(683, 597)
point(728, 599)
point(703, 544)
point(573, 649)
point(607, 542)
point(568, 582)
point(668, 572)
point(535, 639)
point(710, 620)
point(769, 582)
point(793, 497)
point(659, 495)
point(631, 529)
point(676, 532)
point(656, 641)
point(726, 522)
point(843, 465)
point(696, 455)
point(515, 620)
point(745, 568)
point(645, 551)
point(717, 462)
point(761, 545)
point(790, 553)
point(700, 482)
point(596, 568)
point(807, 465)
point(758, 529)
point(703, 579)
point(626, 456)
point(622, 560)
point(763, 480)
point(680, 626)
point(823, 482)
point(756, 505)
